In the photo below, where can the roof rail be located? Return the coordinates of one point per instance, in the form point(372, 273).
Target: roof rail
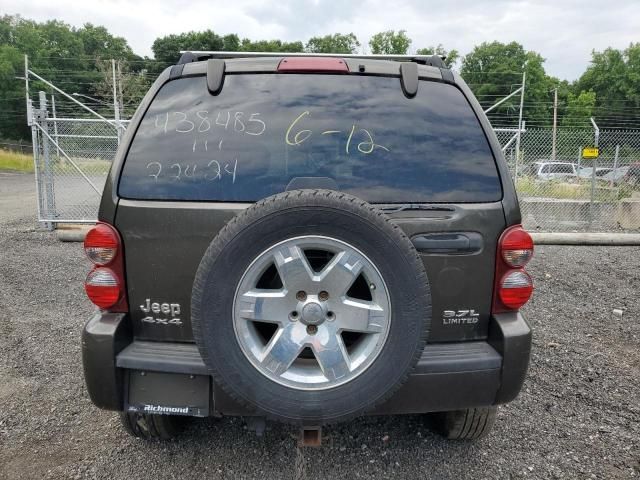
point(189, 56)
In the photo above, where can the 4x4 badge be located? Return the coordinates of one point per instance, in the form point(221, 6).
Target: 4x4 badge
point(171, 310)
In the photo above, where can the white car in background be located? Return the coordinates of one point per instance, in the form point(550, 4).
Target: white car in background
point(554, 170)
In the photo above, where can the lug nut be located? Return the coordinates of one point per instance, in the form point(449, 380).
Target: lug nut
point(301, 296)
point(323, 295)
point(312, 329)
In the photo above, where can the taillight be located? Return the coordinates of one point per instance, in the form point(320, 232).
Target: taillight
point(102, 287)
point(101, 244)
point(513, 286)
point(515, 289)
point(105, 284)
point(517, 247)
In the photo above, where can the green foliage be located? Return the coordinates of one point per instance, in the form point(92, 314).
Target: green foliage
point(614, 76)
point(451, 56)
point(167, 49)
point(494, 70)
point(579, 109)
point(15, 161)
point(336, 43)
point(56, 50)
point(270, 46)
point(78, 60)
point(390, 43)
point(580, 190)
point(131, 85)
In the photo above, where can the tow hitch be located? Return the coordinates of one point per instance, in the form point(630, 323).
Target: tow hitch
point(310, 437)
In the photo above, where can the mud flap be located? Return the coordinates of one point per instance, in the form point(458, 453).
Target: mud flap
point(167, 393)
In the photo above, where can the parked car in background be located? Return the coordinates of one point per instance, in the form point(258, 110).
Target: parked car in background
point(553, 170)
point(633, 174)
point(587, 172)
point(616, 175)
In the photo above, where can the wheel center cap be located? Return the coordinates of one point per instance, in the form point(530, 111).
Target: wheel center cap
point(312, 314)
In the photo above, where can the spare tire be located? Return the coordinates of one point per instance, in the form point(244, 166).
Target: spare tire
point(311, 307)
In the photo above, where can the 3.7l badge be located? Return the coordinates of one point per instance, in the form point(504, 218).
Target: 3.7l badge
point(460, 317)
point(161, 313)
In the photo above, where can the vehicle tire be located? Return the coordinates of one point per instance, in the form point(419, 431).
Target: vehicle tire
point(311, 307)
point(467, 424)
point(152, 427)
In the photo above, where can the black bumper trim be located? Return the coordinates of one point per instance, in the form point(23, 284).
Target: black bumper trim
point(163, 357)
point(457, 357)
point(185, 358)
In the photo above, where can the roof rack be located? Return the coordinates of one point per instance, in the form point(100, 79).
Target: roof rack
point(188, 56)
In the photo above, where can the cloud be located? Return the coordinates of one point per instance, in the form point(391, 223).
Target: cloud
point(564, 32)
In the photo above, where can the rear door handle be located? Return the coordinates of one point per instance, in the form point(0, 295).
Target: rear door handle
point(458, 242)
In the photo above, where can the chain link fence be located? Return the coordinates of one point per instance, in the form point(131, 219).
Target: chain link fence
point(72, 158)
point(560, 191)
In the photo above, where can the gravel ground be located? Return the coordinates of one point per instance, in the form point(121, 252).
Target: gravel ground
point(577, 417)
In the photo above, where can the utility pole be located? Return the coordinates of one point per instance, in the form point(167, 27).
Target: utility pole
point(26, 91)
point(555, 123)
point(116, 109)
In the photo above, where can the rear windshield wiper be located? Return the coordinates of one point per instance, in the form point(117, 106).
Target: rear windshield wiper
point(414, 206)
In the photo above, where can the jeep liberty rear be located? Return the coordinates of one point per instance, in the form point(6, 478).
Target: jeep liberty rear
point(307, 239)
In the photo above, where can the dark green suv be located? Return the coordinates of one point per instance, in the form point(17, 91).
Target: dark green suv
point(307, 238)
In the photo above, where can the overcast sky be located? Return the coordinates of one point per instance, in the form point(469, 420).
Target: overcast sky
point(563, 31)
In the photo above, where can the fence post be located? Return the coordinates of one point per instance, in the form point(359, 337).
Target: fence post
point(50, 205)
point(593, 190)
point(55, 126)
point(579, 158)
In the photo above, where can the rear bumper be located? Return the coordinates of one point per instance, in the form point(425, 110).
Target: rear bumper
point(124, 374)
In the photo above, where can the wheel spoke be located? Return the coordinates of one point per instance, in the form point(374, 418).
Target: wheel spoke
point(332, 357)
point(293, 267)
point(341, 272)
point(360, 316)
point(283, 348)
point(264, 306)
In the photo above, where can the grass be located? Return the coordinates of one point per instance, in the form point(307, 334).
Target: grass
point(530, 187)
point(15, 161)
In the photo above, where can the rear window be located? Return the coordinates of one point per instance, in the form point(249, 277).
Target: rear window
point(265, 132)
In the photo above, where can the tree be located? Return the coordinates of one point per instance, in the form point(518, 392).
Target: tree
point(270, 46)
point(69, 57)
point(451, 56)
point(336, 43)
point(390, 43)
point(131, 85)
point(167, 49)
point(614, 76)
point(97, 41)
point(494, 70)
point(12, 121)
point(579, 109)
